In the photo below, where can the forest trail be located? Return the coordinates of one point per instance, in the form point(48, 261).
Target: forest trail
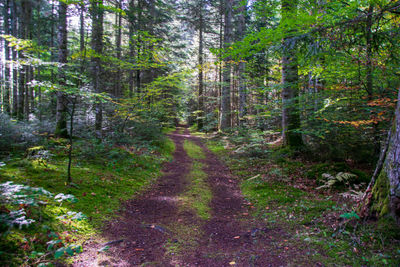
point(161, 227)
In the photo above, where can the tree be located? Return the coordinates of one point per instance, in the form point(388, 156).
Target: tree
point(14, 28)
point(118, 37)
point(225, 121)
point(290, 80)
point(241, 29)
point(200, 121)
point(7, 84)
point(97, 12)
point(61, 115)
point(383, 193)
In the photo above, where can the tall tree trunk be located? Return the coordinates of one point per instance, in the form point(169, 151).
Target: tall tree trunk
point(61, 115)
point(131, 20)
point(7, 76)
point(221, 33)
point(226, 88)
point(38, 77)
point(53, 96)
point(118, 22)
point(290, 79)
point(14, 32)
point(82, 36)
point(383, 194)
point(200, 121)
point(96, 69)
point(23, 103)
point(241, 29)
point(138, 44)
point(151, 73)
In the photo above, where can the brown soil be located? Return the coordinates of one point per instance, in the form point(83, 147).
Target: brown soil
point(155, 231)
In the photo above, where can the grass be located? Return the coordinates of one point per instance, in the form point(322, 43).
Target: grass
point(197, 199)
point(100, 183)
point(198, 196)
point(186, 238)
point(193, 150)
point(313, 219)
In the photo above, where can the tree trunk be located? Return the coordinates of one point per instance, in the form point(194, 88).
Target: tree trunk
point(7, 84)
point(96, 69)
point(241, 28)
point(383, 194)
point(226, 88)
point(131, 20)
point(26, 26)
point(61, 115)
point(139, 45)
point(82, 36)
point(200, 121)
point(290, 79)
point(118, 22)
point(14, 32)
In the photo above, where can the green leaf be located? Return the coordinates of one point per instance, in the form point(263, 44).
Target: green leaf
point(69, 251)
point(350, 215)
point(59, 253)
point(77, 249)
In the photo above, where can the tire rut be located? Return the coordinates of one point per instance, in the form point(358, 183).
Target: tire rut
point(156, 231)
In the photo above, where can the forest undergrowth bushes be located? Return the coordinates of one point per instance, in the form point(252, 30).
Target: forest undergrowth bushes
point(293, 193)
point(36, 228)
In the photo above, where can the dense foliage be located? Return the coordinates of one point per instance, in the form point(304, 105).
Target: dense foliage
point(93, 84)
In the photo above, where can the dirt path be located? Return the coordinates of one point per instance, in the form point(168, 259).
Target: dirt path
point(156, 229)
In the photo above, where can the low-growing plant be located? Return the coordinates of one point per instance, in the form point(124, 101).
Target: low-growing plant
point(342, 178)
point(22, 208)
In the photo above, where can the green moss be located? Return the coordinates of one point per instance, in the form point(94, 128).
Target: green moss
point(168, 147)
point(380, 195)
point(215, 147)
point(313, 220)
point(100, 185)
point(193, 150)
point(199, 195)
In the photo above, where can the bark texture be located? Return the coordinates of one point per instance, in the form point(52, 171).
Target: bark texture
point(290, 80)
point(386, 190)
point(200, 120)
point(7, 84)
point(61, 115)
point(97, 14)
point(382, 196)
point(226, 117)
point(241, 29)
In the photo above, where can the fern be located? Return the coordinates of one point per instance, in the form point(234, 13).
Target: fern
point(340, 178)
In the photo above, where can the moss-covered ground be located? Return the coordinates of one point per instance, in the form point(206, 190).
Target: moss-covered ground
point(102, 178)
point(278, 191)
point(196, 199)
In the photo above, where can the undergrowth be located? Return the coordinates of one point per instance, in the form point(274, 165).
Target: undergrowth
point(103, 175)
point(283, 192)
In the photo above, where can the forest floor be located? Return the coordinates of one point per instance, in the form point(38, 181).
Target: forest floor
point(197, 215)
point(194, 216)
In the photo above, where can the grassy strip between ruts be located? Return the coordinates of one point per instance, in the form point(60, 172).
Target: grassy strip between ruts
point(199, 195)
point(100, 183)
point(195, 199)
point(193, 150)
point(329, 230)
